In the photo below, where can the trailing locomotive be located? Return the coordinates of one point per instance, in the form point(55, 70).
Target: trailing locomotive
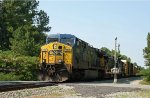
point(66, 57)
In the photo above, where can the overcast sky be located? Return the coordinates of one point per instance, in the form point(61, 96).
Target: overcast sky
point(99, 22)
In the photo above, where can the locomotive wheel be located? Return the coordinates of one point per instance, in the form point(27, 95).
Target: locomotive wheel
point(43, 76)
point(60, 76)
point(77, 75)
point(55, 77)
point(101, 74)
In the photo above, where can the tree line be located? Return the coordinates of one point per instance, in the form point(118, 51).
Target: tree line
point(22, 27)
point(111, 53)
point(146, 52)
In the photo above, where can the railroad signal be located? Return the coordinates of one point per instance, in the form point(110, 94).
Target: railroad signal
point(115, 70)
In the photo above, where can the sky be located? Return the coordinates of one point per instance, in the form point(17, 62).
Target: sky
point(98, 22)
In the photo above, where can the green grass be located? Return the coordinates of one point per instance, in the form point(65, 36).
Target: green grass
point(145, 82)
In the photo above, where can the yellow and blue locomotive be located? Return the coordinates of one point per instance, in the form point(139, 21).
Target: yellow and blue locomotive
point(66, 57)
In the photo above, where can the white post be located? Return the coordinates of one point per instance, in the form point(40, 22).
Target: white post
point(115, 57)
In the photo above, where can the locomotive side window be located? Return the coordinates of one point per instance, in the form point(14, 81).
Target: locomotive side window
point(77, 43)
point(68, 41)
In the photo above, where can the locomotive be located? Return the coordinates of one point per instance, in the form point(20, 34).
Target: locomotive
point(66, 57)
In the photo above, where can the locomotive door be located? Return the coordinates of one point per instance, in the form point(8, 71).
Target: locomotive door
point(44, 56)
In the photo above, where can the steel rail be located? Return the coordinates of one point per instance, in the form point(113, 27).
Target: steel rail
point(24, 85)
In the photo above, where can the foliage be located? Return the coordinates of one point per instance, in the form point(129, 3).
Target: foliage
point(23, 41)
point(21, 35)
point(112, 53)
point(144, 82)
point(8, 76)
point(146, 74)
point(19, 19)
point(23, 67)
point(124, 57)
point(146, 51)
point(108, 52)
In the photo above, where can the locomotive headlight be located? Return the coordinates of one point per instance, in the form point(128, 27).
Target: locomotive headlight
point(59, 61)
point(54, 46)
point(44, 61)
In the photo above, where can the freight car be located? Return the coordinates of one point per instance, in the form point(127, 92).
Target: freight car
point(66, 57)
point(129, 69)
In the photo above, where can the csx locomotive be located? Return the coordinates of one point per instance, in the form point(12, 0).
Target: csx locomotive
point(66, 57)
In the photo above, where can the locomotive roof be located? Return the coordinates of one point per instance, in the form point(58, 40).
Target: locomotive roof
point(69, 36)
point(65, 36)
point(61, 36)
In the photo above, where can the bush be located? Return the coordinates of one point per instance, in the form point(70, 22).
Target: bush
point(25, 67)
point(9, 77)
point(146, 74)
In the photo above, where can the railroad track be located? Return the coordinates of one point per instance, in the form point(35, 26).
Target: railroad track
point(10, 86)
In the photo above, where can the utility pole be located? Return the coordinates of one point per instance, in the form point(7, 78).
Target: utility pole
point(118, 48)
point(115, 57)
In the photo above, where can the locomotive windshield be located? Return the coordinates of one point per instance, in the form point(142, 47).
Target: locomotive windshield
point(62, 38)
point(49, 40)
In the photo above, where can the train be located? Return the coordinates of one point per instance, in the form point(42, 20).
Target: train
point(65, 57)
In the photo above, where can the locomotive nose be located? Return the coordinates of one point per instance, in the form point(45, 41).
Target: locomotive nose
point(52, 54)
point(56, 54)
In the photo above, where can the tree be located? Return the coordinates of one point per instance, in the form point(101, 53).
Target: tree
point(135, 64)
point(23, 41)
point(124, 57)
point(1, 25)
point(22, 17)
point(3, 35)
point(146, 51)
point(108, 52)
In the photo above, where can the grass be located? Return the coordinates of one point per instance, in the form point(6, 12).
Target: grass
point(144, 82)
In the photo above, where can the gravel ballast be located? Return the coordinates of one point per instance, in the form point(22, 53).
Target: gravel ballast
point(70, 91)
point(100, 91)
point(95, 89)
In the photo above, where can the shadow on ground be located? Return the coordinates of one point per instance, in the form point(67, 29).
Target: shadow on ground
point(128, 80)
